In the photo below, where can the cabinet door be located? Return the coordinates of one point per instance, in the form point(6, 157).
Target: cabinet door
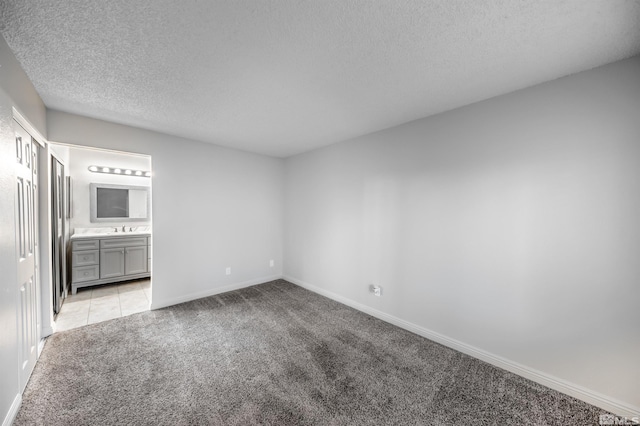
point(135, 260)
point(111, 262)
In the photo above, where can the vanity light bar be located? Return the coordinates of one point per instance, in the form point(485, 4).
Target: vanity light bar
point(119, 171)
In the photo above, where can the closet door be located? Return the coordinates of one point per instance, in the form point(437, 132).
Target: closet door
point(26, 220)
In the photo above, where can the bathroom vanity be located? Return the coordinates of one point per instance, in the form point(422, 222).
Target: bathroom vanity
point(102, 258)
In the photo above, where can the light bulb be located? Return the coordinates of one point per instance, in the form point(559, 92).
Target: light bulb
point(93, 169)
point(105, 169)
point(148, 174)
point(117, 171)
point(138, 173)
point(127, 172)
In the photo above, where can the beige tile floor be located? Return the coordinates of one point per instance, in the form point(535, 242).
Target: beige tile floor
point(92, 305)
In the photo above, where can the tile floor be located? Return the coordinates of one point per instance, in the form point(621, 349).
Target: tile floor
point(96, 304)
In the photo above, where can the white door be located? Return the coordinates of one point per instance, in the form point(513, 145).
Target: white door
point(26, 248)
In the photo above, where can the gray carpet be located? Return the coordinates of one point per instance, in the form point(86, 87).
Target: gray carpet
point(275, 354)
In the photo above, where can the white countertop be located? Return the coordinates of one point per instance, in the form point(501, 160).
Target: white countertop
point(111, 232)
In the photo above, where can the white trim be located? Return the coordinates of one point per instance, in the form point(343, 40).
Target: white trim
point(617, 407)
point(46, 256)
point(13, 411)
point(211, 292)
point(29, 128)
point(41, 346)
point(48, 331)
point(94, 148)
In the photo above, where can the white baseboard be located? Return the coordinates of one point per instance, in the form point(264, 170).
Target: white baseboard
point(41, 346)
point(210, 292)
point(591, 397)
point(13, 411)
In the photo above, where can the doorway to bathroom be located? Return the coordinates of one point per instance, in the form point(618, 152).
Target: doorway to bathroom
point(106, 237)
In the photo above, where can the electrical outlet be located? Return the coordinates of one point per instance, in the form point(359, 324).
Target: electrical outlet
point(228, 271)
point(376, 290)
point(271, 263)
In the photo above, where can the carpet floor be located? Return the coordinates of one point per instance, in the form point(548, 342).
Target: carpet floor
point(275, 354)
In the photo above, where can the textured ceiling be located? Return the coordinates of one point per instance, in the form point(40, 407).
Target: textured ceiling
point(283, 77)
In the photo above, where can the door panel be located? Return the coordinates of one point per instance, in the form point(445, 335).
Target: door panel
point(36, 234)
point(135, 260)
point(20, 218)
point(25, 234)
point(28, 313)
point(111, 262)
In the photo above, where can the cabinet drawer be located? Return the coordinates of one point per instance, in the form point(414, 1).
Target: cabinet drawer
point(85, 273)
point(123, 242)
point(85, 245)
point(84, 258)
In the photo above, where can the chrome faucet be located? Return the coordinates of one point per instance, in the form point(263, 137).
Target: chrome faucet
point(115, 229)
point(123, 230)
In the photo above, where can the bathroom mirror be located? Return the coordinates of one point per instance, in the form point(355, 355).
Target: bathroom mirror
point(119, 203)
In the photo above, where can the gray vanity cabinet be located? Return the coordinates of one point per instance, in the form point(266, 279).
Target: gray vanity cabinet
point(106, 259)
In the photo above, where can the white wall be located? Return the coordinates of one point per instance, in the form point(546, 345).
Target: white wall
point(15, 91)
point(61, 152)
point(510, 225)
point(8, 281)
point(79, 161)
point(212, 207)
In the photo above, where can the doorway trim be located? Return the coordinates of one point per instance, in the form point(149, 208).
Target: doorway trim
point(41, 140)
point(52, 144)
